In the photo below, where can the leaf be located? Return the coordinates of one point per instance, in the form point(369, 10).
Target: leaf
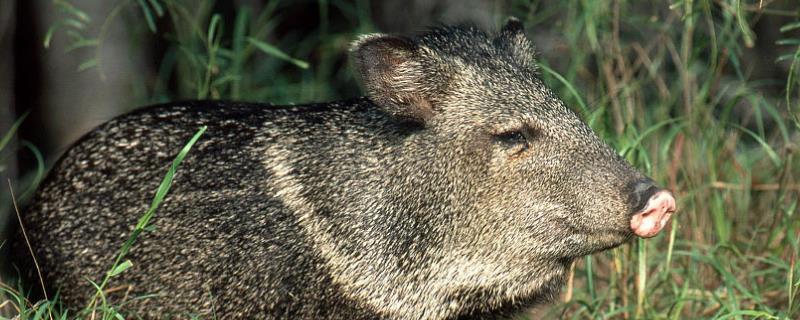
point(49, 36)
point(40, 170)
point(120, 268)
point(77, 24)
point(747, 33)
point(788, 41)
point(166, 183)
point(752, 313)
point(157, 7)
point(148, 16)
point(42, 308)
point(75, 35)
point(584, 109)
point(790, 56)
point(225, 79)
point(767, 148)
point(647, 132)
point(69, 8)
point(676, 5)
point(81, 44)
point(14, 127)
point(87, 64)
point(791, 26)
point(275, 52)
point(213, 29)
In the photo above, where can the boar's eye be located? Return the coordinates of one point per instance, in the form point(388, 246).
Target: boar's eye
point(512, 139)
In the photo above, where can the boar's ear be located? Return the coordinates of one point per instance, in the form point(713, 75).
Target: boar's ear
point(390, 69)
point(512, 40)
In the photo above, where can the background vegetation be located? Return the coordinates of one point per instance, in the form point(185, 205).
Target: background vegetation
point(702, 95)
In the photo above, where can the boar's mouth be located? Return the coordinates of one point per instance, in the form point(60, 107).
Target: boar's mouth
point(598, 242)
point(647, 221)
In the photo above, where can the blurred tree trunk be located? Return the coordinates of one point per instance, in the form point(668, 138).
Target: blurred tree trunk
point(8, 165)
point(75, 102)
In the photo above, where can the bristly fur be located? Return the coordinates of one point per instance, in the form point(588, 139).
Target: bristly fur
point(459, 187)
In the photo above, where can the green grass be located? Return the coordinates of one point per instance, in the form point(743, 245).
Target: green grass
point(660, 99)
point(98, 306)
point(667, 83)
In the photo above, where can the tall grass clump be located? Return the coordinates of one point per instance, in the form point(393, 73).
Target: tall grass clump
point(674, 86)
point(667, 85)
point(208, 56)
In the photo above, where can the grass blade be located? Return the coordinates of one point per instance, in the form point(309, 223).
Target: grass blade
point(275, 52)
point(161, 193)
point(10, 133)
point(148, 15)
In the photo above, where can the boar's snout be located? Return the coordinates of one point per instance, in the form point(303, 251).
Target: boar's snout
point(654, 206)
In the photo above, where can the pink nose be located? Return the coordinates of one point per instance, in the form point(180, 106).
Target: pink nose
point(655, 215)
